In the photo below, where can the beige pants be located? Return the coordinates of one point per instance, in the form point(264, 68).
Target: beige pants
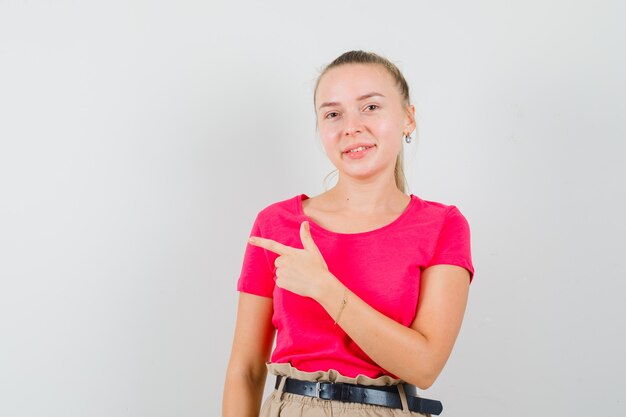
point(285, 404)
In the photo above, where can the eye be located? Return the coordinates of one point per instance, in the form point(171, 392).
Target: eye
point(376, 106)
point(329, 115)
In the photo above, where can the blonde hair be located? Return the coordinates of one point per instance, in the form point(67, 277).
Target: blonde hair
point(363, 57)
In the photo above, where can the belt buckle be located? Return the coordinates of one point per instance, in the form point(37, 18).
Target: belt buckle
point(318, 390)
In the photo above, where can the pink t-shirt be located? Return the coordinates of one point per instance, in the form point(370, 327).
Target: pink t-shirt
point(381, 266)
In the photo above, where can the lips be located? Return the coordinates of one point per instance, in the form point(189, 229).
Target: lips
point(358, 146)
point(357, 152)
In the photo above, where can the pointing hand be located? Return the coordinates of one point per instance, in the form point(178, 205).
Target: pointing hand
point(301, 271)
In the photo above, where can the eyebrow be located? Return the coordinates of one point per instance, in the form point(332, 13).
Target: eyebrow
point(363, 97)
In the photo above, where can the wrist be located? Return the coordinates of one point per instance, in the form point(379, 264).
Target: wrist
point(330, 293)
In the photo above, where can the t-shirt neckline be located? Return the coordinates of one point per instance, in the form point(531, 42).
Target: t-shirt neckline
point(316, 226)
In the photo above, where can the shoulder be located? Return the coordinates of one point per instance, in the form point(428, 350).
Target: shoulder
point(288, 205)
point(442, 214)
point(452, 237)
point(438, 208)
point(276, 215)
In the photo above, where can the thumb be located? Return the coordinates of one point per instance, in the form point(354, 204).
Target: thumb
point(306, 238)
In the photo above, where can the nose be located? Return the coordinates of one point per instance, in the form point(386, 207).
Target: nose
point(352, 124)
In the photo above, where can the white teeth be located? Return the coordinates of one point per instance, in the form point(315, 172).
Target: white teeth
point(360, 148)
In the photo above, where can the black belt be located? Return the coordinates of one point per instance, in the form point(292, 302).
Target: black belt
point(386, 396)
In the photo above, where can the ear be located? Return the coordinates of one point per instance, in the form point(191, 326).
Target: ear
point(410, 124)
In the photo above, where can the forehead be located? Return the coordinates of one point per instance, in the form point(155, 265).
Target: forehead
point(352, 80)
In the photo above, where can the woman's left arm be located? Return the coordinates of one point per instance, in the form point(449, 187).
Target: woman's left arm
point(418, 353)
point(415, 354)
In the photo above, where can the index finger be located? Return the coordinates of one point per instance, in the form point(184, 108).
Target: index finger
point(270, 244)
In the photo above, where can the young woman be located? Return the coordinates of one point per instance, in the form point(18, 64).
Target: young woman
point(365, 285)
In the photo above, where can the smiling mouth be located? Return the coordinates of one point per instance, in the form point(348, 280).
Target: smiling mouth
point(358, 153)
point(359, 149)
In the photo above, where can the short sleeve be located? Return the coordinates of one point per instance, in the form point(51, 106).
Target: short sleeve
point(257, 275)
point(453, 244)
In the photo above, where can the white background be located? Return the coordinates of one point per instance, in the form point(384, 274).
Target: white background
point(138, 140)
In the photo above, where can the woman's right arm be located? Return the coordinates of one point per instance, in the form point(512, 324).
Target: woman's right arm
point(252, 345)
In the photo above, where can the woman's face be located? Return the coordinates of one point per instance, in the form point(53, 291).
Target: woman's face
point(359, 106)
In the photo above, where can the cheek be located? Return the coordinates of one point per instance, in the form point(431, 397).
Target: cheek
point(328, 131)
point(388, 128)
point(390, 135)
point(330, 149)
point(328, 137)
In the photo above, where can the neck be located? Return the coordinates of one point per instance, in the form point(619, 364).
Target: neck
point(368, 195)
